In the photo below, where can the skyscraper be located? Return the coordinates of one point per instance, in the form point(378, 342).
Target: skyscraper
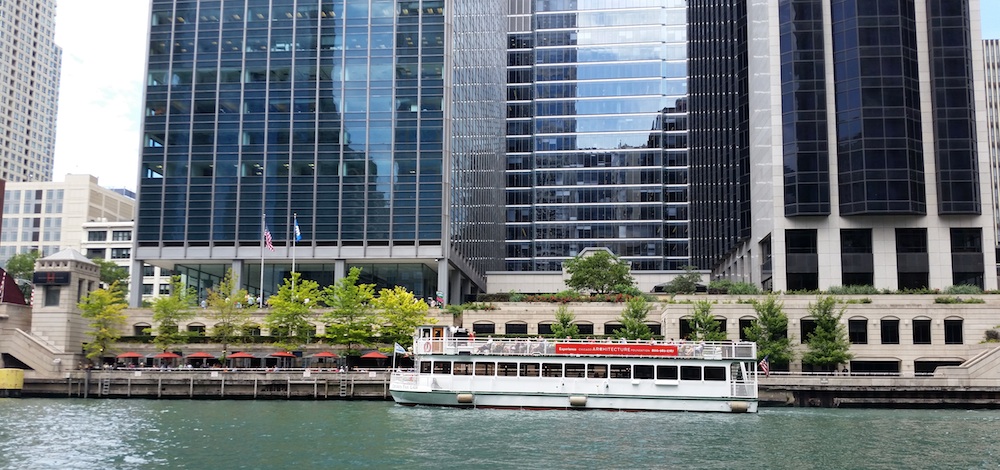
point(991, 61)
point(29, 89)
point(597, 133)
point(861, 158)
point(375, 125)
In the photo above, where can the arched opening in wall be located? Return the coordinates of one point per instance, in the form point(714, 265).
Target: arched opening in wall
point(484, 328)
point(515, 328)
point(584, 327)
point(610, 327)
point(684, 328)
point(924, 366)
point(857, 330)
point(922, 330)
point(545, 328)
point(889, 327)
point(806, 327)
point(251, 329)
point(875, 366)
point(953, 330)
point(196, 328)
point(142, 329)
point(655, 328)
point(745, 322)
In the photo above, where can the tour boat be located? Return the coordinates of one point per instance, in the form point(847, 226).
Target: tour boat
point(455, 368)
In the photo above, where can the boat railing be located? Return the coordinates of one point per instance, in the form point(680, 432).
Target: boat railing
point(712, 350)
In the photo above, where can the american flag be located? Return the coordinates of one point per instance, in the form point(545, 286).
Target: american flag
point(765, 366)
point(267, 239)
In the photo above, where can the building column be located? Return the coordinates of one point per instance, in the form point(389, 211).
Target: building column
point(339, 269)
point(237, 268)
point(443, 277)
point(135, 284)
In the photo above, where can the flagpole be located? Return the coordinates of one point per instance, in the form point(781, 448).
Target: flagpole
point(263, 241)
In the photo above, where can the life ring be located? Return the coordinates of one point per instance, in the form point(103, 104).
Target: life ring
point(427, 346)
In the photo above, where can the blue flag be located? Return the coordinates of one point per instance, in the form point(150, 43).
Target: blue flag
point(298, 233)
point(399, 349)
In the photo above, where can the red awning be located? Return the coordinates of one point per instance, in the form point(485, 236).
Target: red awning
point(129, 355)
point(325, 354)
point(166, 355)
point(282, 354)
point(374, 355)
point(240, 355)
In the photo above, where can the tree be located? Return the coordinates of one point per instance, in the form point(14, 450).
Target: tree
point(704, 326)
point(400, 315)
point(351, 316)
point(169, 311)
point(564, 327)
point(105, 308)
point(598, 271)
point(111, 272)
point(22, 265)
point(225, 308)
point(770, 331)
point(633, 320)
point(828, 344)
point(291, 312)
point(686, 283)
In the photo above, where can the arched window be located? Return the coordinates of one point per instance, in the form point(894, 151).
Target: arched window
point(953, 330)
point(857, 330)
point(516, 328)
point(921, 330)
point(484, 328)
point(140, 329)
point(197, 328)
point(890, 330)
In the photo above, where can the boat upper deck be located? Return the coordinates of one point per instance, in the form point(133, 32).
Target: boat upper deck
point(584, 348)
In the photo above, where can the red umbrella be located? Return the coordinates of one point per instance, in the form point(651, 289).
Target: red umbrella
point(167, 355)
point(200, 355)
point(240, 355)
point(374, 355)
point(282, 354)
point(325, 354)
point(130, 355)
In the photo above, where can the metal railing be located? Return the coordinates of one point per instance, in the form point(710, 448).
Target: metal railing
point(717, 350)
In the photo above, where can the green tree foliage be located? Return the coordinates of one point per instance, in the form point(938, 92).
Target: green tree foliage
point(599, 271)
point(686, 283)
point(111, 272)
point(633, 320)
point(770, 331)
point(828, 343)
point(169, 311)
point(351, 316)
point(704, 326)
point(291, 312)
point(105, 308)
point(226, 310)
point(400, 313)
point(22, 265)
point(564, 327)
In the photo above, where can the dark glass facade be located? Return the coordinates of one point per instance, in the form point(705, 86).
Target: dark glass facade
point(719, 112)
point(880, 152)
point(374, 123)
point(597, 133)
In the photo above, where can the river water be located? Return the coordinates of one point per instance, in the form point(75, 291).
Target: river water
point(205, 434)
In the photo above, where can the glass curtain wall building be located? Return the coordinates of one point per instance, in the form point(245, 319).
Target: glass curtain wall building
point(597, 132)
point(868, 162)
point(356, 132)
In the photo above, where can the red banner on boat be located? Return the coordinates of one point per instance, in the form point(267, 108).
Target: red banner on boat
point(616, 349)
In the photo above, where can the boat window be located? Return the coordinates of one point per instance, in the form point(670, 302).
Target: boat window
point(621, 371)
point(530, 369)
point(508, 369)
point(715, 373)
point(462, 368)
point(666, 372)
point(597, 371)
point(425, 367)
point(485, 368)
point(551, 370)
point(690, 373)
point(642, 372)
point(442, 367)
point(575, 370)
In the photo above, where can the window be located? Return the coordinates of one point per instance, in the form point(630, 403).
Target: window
point(196, 328)
point(530, 369)
point(690, 373)
point(97, 236)
point(425, 367)
point(551, 370)
point(806, 327)
point(621, 371)
point(52, 296)
point(744, 324)
point(597, 371)
point(96, 253)
point(462, 368)
point(485, 368)
point(666, 372)
point(890, 331)
point(516, 328)
point(147, 270)
point(642, 372)
point(545, 328)
point(484, 328)
point(121, 235)
point(953, 331)
point(922, 331)
point(147, 289)
point(857, 330)
point(507, 369)
point(575, 370)
point(121, 253)
point(716, 374)
point(442, 367)
point(140, 329)
point(164, 289)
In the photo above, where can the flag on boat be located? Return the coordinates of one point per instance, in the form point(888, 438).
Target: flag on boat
point(268, 241)
point(398, 349)
point(765, 366)
point(298, 233)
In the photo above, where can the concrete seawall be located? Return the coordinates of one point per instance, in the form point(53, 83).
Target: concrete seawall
point(213, 384)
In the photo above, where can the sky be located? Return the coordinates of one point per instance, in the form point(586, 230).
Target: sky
point(100, 94)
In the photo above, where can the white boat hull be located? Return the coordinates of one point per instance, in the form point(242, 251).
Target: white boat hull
point(564, 401)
